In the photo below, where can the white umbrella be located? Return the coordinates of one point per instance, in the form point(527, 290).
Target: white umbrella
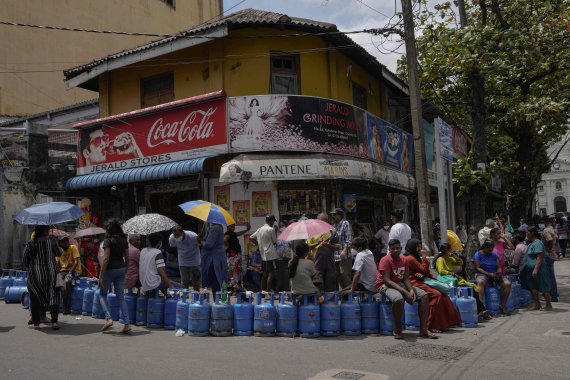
point(147, 224)
point(90, 231)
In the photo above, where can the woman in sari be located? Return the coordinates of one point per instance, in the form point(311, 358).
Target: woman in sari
point(442, 313)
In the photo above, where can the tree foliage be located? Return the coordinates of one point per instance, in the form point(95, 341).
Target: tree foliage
point(522, 50)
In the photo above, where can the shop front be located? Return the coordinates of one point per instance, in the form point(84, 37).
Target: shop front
point(150, 160)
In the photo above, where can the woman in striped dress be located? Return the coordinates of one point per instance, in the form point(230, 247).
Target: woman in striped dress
point(39, 258)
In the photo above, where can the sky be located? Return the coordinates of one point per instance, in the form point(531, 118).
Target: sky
point(347, 15)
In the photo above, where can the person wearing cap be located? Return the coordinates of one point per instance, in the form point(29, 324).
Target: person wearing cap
point(69, 264)
point(488, 269)
point(343, 234)
point(266, 239)
point(400, 231)
point(485, 232)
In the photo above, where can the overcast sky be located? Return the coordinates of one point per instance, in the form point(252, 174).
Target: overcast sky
point(347, 15)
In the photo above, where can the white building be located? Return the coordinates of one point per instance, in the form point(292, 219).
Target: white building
point(553, 192)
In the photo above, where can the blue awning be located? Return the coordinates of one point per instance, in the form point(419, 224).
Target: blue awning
point(143, 174)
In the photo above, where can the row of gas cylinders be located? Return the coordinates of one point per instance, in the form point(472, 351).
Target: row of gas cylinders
point(192, 312)
point(463, 299)
point(13, 285)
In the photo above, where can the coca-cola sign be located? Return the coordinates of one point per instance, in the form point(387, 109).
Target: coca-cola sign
point(175, 131)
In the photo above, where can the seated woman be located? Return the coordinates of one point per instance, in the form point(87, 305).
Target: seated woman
point(253, 273)
point(442, 313)
point(448, 266)
point(302, 272)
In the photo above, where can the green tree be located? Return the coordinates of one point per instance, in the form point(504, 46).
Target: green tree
point(513, 57)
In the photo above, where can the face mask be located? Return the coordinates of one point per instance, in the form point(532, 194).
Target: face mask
point(386, 228)
point(95, 241)
point(179, 238)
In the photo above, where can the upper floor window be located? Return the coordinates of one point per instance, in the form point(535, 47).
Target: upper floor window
point(157, 90)
point(541, 188)
point(171, 3)
point(558, 185)
point(284, 74)
point(358, 96)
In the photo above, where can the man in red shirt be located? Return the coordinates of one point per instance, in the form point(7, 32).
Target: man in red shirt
point(394, 283)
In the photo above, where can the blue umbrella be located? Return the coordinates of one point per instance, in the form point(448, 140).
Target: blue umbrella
point(49, 213)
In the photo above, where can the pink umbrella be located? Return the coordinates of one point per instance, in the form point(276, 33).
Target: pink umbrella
point(305, 229)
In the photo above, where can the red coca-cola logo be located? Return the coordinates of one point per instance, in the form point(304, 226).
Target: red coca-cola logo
point(195, 126)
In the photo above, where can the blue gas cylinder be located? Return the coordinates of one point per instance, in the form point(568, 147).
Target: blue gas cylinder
point(77, 299)
point(6, 280)
point(512, 301)
point(14, 293)
point(350, 322)
point(97, 311)
point(492, 299)
point(369, 316)
point(453, 295)
point(142, 307)
point(131, 300)
point(467, 306)
point(515, 291)
point(264, 316)
point(25, 300)
point(170, 309)
point(330, 315)
point(21, 278)
point(287, 318)
point(113, 305)
point(182, 310)
point(310, 317)
point(243, 314)
point(155, 311)
point(222, 316)
point(411, 316)
point(87, 305)
point(386, 317)
point(199, 314)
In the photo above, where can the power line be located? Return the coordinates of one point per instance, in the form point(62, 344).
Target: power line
point(206, 60)
point(372, 9)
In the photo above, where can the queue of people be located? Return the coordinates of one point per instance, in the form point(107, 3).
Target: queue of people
point(391, 263)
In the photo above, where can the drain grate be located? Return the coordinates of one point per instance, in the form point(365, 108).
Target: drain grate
point(422, 351)
point(345, 375)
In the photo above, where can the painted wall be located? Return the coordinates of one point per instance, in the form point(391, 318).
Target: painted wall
point(36, 58)
point(239, 192)
point(242, 67)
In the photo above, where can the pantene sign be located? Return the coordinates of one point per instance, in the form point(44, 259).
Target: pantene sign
point(171, 132)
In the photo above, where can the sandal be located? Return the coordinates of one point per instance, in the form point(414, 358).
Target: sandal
point(398, 335)
point(55, 326)
point(126, 330)
point(107, 325)
point(428, 335)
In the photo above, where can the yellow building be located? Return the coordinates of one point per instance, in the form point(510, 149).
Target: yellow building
point(250, 52)
point(32, 58)
point(320, 148)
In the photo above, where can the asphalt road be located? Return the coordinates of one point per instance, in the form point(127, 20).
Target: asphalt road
point(526, 345)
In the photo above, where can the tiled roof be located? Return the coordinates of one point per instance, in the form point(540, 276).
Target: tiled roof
point(246, 18)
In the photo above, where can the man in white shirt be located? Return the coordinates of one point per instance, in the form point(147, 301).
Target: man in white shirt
point(364, 268)
point(400, 230)
point(151, 267)
point(266, 239)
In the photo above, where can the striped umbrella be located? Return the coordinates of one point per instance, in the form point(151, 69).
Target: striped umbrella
point(208, 212)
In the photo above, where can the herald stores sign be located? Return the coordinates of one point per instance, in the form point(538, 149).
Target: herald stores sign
point(180, 130)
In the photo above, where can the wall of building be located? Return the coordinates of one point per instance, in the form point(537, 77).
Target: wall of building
point(244, 71)
point(559, 173)
point(37, 57)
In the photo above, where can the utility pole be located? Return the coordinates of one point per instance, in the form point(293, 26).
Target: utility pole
point(417, 126)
